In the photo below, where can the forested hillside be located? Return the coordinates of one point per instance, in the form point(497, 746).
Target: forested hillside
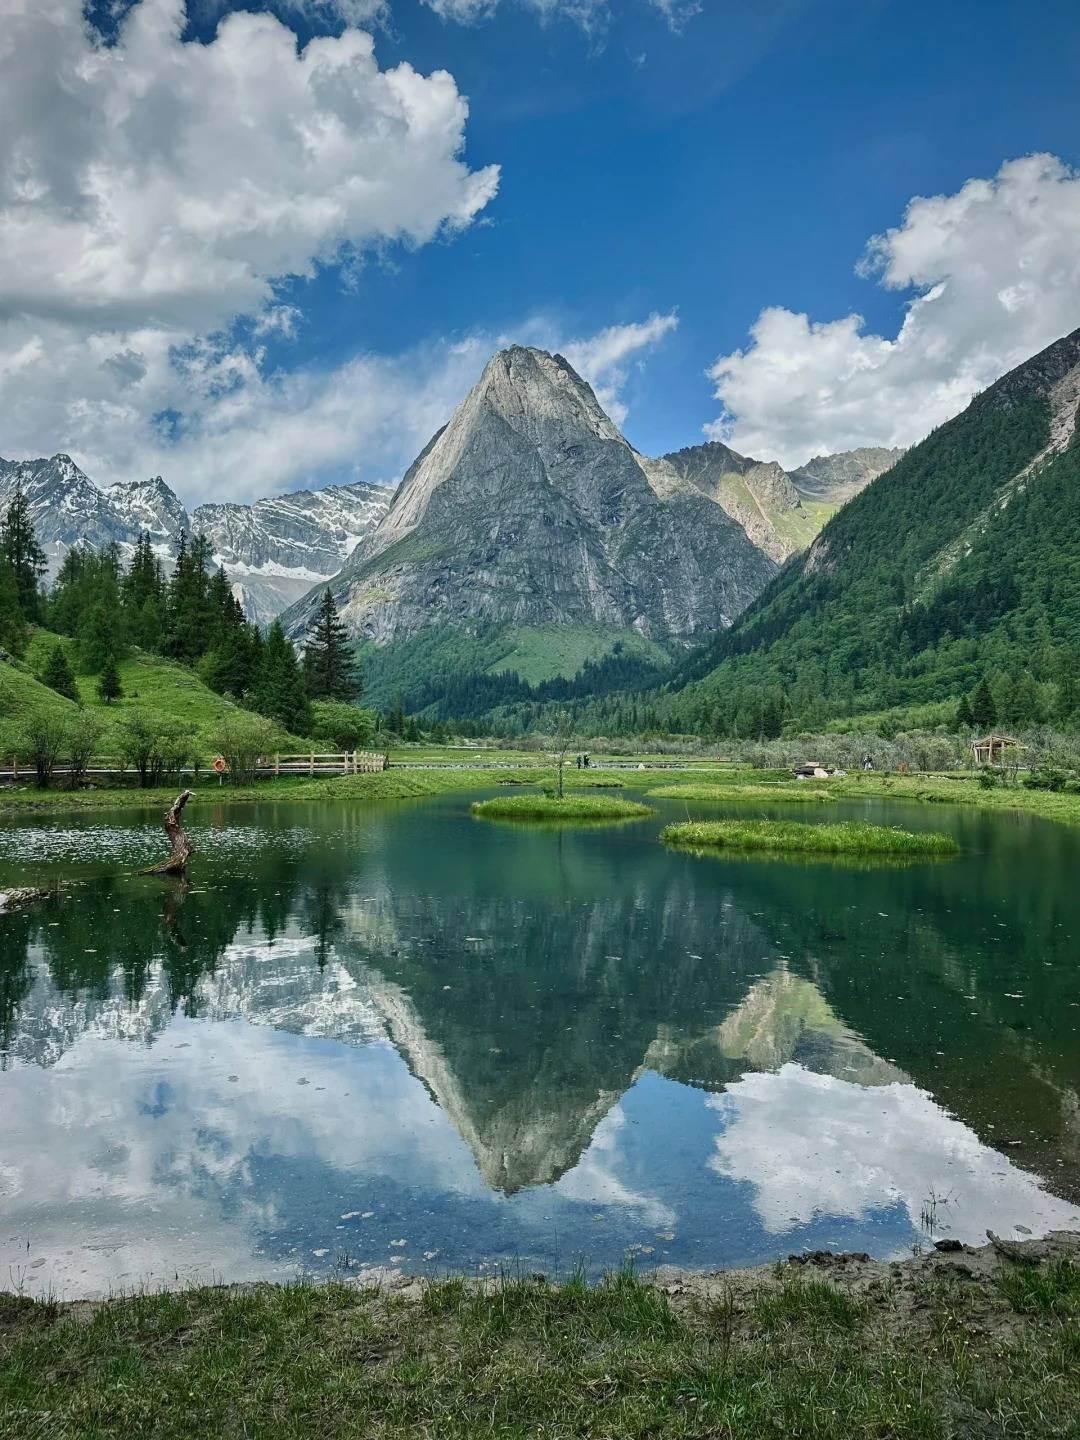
point(960, 563)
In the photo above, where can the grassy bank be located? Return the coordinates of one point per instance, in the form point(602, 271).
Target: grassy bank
point(955, 790)
point(794, 794)
point(393, 784)
point(549, 807)
point(945, 1347)
point(778, 836)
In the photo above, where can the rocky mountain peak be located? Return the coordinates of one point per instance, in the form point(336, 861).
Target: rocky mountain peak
point(530, 508)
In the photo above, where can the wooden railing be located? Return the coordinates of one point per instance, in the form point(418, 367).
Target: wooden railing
point(309, 762)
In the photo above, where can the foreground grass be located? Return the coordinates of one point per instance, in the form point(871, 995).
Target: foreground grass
point(847, 838)
point(795, 794)
point(787, 1357)
point(550, 807)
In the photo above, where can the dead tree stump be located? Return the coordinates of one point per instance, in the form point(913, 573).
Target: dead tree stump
point(182, 848)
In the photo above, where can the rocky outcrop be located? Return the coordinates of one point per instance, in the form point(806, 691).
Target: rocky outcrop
point(835, 479)
point(530, 508)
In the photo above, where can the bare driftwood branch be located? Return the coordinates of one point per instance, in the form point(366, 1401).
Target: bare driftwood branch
point(182, 848)
point(1011, 1250)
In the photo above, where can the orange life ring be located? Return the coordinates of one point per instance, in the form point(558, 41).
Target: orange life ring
point(220, 765)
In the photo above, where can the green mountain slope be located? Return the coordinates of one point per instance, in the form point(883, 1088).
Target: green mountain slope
point(151, 685)
point(962, 559)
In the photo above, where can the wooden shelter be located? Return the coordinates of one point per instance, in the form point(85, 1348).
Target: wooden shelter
point(990, 750)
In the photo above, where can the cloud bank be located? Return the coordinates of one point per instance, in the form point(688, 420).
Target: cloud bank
point(153, 192)
point(995, 275)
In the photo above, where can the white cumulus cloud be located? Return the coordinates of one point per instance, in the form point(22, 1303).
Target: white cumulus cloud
point(589, 14)
point(994, 276)
point(154, 192)
point(602, 358)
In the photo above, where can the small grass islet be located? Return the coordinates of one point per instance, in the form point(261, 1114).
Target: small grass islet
point(769, 793)
point(780, 836)
point(550, 807)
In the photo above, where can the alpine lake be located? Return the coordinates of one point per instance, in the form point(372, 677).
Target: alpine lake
point(393, 1036)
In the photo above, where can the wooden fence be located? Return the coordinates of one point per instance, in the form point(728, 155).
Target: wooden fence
point(310, 762)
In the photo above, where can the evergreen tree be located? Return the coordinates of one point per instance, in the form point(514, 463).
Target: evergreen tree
point(329, 668)
point(108, 686)
point(983, 709)
point(100, 631)
point(279, 687)
point(19, 547)
point(965, 720)
point(142, 595)
point(56, 673)
point(12, 620)
point(188, 616)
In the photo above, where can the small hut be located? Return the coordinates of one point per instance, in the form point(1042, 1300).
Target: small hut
point(990, 750)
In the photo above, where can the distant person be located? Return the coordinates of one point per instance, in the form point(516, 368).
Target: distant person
point(585, 759)
point(868, 762)
point(577, 761)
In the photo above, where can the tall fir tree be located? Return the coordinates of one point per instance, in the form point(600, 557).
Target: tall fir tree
point(983, 708)
point(12, 619)
point(142, 595)
point(329, 666)
point(188, 618)
point(57, 673)
point(100, 629)
point(108, 685)
point(19, 547)
point(279, 688)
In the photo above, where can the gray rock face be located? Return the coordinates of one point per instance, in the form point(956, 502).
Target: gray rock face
point(782, 511)
point(273, 551)
point(66, 507)
point(756, 493)
point(837, 478)
point(276, 549)
point(530, 508)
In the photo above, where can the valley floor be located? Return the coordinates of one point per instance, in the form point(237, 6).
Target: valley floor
point(831, 1347)
point(438, 772)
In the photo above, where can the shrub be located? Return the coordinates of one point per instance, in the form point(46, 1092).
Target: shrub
point(44, 735)
point(153, 746)
point(242, 740)
point(341, 724)
point(83, 733)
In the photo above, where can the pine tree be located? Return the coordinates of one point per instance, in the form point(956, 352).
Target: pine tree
point(329, 668)
point(965, 720)
point(100, 632)
point(12, 620)
point(188, 617)
point(279, 687)
point(983, 709)
point(142, 595)
point(18, 545)
point(57, 673)
point(108, 686)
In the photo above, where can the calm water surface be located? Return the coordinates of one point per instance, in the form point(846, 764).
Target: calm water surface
point(398, 1036)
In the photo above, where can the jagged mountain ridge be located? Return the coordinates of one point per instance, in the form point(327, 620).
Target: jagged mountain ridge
point(273, 550)
point(963, 556)
point(530, 508)
point(780, 510)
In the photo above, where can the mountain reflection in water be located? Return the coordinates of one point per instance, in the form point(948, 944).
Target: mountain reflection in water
point(397, 1036)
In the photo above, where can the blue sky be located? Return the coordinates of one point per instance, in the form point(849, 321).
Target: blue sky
point(734, 162)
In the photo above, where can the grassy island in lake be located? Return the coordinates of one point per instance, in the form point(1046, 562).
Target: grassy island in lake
point(550, 807)
point(785, 794)
point(848, 838)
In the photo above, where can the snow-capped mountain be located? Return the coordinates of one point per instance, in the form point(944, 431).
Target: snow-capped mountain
point(276, 549)
point(273, 551)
